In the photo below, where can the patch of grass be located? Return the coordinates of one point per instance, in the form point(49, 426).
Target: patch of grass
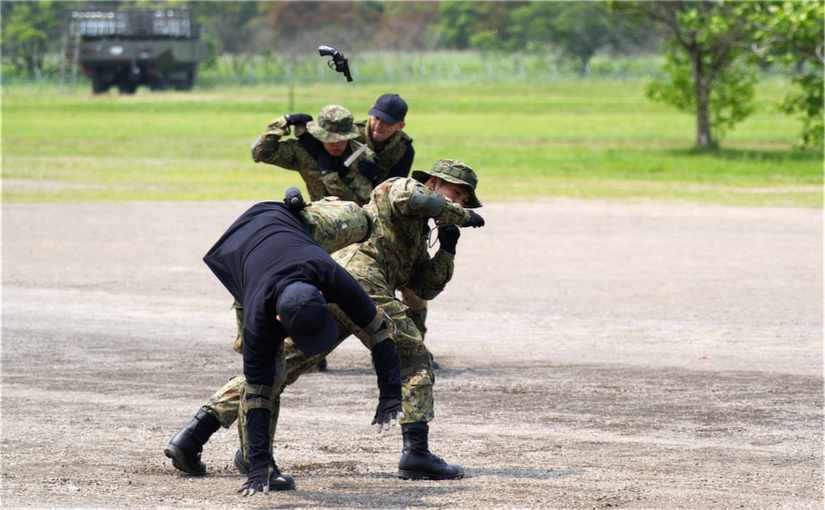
point(588, 139)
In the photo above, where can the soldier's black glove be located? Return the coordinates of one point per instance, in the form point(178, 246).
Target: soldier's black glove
point(448, 237)
point(475, 220)
point(369, 169)
point(293, 200)
point(297, 119)
point(257, 480)
point(387, 414)
point(388, 369)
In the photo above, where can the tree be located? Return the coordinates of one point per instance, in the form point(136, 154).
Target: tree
point(406, 25)
point(481, 25)
point(706, 61)
point(28, 28)
point(578, 29)
point(792, 34)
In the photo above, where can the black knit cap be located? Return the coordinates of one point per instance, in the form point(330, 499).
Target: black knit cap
point(304, 315)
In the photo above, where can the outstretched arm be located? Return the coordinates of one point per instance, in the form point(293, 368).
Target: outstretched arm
point(411, 198)
point(269, 148)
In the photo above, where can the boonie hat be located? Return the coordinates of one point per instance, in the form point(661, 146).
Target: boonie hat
point(456, 172)
point(334, 124)
point(390, 108)
point(304, 315)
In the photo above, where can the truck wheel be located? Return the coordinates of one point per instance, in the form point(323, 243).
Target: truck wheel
point(187, 82)
point(99, 86)
point(126, 88)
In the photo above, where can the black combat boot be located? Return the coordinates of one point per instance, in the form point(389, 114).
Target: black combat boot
point(185, 448)
point(417, 462)
point(277, 480)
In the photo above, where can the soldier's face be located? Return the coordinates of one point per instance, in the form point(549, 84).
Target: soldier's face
point(381, 131)
point(453, 192)
point(337, 148)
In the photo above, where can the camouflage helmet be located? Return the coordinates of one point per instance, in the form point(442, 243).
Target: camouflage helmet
point(336, 223)
point(334, 124)
point(456, 172)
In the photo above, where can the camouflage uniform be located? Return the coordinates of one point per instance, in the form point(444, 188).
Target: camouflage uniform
point(394, 256)
point(323, 174)
point(393, 157)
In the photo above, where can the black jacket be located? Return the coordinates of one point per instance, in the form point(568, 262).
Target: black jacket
point(265, 250)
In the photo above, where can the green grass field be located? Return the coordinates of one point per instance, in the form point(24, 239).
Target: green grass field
point(588, 139)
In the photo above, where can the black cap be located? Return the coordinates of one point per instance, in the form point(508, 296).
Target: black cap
point(304, 315)
point(390, 108)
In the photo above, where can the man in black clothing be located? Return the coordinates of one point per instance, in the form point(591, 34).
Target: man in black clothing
point(283, 279)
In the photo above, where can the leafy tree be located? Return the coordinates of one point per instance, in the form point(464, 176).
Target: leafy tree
point(299, 27)
point(481, 25)
point(225, 25)
point(578, 29)
point(28, 28)
point(792, 34)
point(706, 61)
point(406, 25)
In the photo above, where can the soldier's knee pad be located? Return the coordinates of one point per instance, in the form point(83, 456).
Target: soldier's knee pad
point(257, 396)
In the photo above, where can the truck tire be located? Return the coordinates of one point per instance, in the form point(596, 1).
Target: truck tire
point(126, 87)
point(99, 86)
point(187, 82)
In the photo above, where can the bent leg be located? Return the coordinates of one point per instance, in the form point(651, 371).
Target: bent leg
point(225, 402)
point(417, 377)
point(416, 309)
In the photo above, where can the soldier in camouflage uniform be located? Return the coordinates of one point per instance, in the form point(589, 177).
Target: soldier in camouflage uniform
point(383, 133)
point(391, 154)
point(395, 256)
point(394, 153)
point(318, 153)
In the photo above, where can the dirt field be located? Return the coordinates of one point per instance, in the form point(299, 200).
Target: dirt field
point(595, 355)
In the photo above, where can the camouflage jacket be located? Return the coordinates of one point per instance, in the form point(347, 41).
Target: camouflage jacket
point(323, 174)
point(397, 246)
point(393, 158)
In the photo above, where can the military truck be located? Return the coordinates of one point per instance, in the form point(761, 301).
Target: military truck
point(127, 48)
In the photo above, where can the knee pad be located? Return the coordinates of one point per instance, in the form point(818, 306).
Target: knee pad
point(257, 396)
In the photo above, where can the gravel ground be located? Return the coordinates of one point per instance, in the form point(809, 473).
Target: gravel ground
point(595, 355)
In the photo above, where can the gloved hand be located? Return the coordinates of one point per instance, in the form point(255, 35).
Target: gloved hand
point(297, 119)
point(278, 128)
point(448, 237)
point(387, 414)
point(257, 481)
point(369, 169)
point(388, 369)
point(293, 200)
point(475, 220)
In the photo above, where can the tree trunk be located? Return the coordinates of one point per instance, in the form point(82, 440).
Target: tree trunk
point(701, 82)
point(584, 64)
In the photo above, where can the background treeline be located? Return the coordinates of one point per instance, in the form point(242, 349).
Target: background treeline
point(703, 57)
point(32, 31)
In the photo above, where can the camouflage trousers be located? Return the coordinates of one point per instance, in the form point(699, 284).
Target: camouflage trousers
point(416, 366)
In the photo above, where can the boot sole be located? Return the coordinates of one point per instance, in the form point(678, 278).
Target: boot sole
point(174, 453)
point(405, 474)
